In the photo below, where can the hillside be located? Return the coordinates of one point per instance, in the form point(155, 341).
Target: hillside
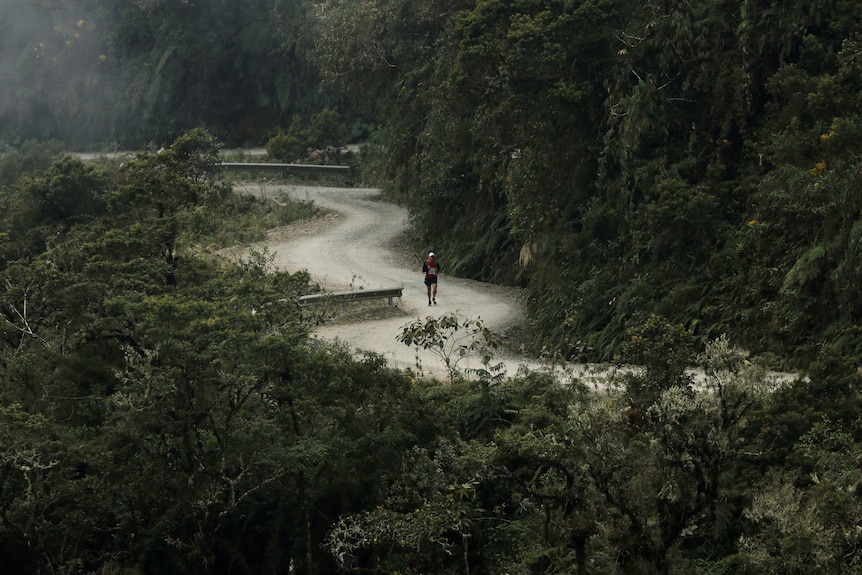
point(165, 410)
point(699, 161)
point(617, 160)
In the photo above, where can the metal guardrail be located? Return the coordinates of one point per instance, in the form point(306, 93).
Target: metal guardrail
point(347, 296)
point(295, 168)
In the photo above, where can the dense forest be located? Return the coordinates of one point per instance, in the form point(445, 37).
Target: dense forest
point(696, 160)
point(675, 184)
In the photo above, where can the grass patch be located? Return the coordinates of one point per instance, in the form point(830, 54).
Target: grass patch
point(337, 312)
point(243, 218)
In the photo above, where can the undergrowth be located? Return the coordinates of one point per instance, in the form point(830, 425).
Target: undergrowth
point(242, 218)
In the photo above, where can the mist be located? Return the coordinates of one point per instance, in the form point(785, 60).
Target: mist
point(57, 77)
point(104, 74)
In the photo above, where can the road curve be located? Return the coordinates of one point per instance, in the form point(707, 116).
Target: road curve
point(354, 252)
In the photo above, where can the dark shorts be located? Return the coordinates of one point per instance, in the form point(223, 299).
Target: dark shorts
point(429, 281)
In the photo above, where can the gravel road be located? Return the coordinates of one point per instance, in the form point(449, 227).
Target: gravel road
point(356, 248)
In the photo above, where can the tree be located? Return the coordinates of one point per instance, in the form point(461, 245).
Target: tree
point(657, 479)
point(236, 69)
point(829, 392)
point(664, 352)
point(562, 481)
point(68, 194)
point(480, 498)
point(160, 193)
point(804, 520)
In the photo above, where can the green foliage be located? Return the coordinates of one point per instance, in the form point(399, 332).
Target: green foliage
point(305, 141)
point(664, 351)
point(164, 194)
point(31, 158)
point(572, 136)
point(454, 339)
point(830, 392)
point(164, 415)
point(801, 520)
point(563, 481)
point(661, 474)
point(288, 147)
point(468, 504)
point(244, 216)
point(663, 173)
point(327, 130)
point(44, 206)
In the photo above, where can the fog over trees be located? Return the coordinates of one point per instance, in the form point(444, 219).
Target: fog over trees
point(130, 73)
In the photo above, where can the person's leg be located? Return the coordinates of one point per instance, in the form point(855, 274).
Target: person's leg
point(434, 291)
point(428, 285)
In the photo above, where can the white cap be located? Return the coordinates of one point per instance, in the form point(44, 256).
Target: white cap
point(430, 254)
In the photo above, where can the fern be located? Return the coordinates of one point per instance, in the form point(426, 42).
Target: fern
point(808, 268)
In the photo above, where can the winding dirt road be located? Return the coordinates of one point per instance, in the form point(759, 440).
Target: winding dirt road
point(354, 251)
point(354, 248)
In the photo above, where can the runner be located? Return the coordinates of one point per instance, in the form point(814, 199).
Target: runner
point(431, 268)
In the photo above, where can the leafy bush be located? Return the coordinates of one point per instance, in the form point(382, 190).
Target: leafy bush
point(305, 141)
